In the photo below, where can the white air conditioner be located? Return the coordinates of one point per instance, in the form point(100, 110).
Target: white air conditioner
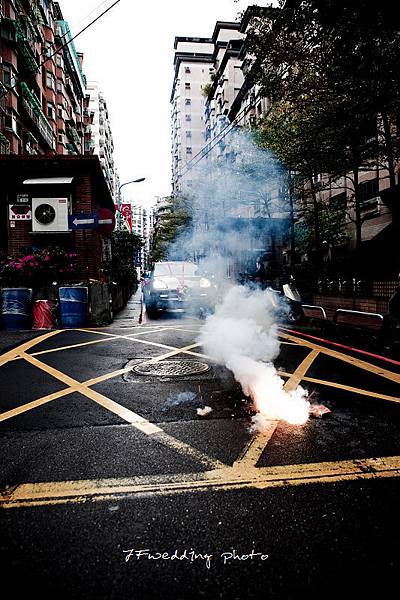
point(50, 214)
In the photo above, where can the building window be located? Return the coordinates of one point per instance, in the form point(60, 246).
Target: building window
point(188, 150)
point(50, 80)
point(187, 86)
point(51, 113)
point(187, 69)
point(60, 138)
point(60, 88)
point(188, 134)
point(188, 118)
point(60, 111)
point(59, 61)
point(188, 101)
point(6, 74)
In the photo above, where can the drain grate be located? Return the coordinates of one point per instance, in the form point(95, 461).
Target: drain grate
point(172, 368)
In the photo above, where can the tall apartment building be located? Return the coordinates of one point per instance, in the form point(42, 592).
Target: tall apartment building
point(193, 67)
point(42, 85)
point(142, 225)
point(101, 137)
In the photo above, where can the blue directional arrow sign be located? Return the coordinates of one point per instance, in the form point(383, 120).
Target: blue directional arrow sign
point(83, 221)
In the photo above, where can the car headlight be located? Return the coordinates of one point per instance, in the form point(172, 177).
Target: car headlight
point(159, 284)
point(205, 283)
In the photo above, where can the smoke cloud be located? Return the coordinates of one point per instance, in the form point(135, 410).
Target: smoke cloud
point(242, 335)
point(240, 210)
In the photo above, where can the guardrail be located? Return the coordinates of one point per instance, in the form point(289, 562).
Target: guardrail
point(358, 319)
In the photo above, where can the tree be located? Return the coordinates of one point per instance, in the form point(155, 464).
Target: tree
point(171, 222)
point(124, 246)
point(331, 73)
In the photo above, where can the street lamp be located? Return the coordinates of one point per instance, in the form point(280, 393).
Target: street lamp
point(119, 196)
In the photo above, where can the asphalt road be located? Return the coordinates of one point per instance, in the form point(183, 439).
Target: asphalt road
point(114, 487)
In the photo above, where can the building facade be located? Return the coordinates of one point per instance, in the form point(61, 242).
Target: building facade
point(101, 137)
point(42, 85)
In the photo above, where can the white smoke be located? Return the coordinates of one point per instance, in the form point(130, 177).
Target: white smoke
point(242, 335)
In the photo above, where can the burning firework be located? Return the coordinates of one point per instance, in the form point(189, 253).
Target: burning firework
point(242, 335)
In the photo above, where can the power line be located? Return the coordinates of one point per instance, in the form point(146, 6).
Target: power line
point(62, 46)
point(216, 140)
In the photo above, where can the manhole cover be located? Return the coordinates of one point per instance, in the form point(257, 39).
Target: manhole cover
point(172, 368)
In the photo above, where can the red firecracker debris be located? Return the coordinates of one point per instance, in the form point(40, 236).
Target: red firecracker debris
point(318, 410)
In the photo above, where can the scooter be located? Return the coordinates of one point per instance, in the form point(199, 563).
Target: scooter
point(287, 302)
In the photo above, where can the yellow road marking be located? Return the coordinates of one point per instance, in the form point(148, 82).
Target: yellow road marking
point(296, 377)
point(259, 442)
point(4, 358)
point(127, 415)
point(9, 414)
point(348, 388)
point(357, 362)
point(50, 493)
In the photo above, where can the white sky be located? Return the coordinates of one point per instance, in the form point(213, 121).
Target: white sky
point(130, 52)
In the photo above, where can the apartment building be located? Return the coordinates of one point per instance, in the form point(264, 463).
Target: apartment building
point(142, 225)
point(230, 96)
point(193, 66)
point(101, 137)
point(42, 85)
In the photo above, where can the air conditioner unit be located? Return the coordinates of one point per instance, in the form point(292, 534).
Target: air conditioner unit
point(50, 214)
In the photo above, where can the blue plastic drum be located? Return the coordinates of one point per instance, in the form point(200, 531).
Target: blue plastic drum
point(73, 306)
point(16, 308)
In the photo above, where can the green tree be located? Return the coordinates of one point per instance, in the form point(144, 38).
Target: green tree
point(171, 222)
point(124, 247)
point(330, 70)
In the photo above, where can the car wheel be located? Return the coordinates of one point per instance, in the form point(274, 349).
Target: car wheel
point(152, 311)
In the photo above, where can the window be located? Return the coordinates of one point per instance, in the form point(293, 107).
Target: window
point(188, 101)
point(50, 80)
point(51, 113)
point(60, 111)
point(187, 86)
point(61, 138)
point(59, 61)
point(188, 150)
point(60, 87)
point(49, 49)
point(6, 74)
point(188, 134)
point(188, 118)
point(187, 69)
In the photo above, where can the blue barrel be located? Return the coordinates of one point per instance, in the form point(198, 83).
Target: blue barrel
point(73, 306)
point(16, 308)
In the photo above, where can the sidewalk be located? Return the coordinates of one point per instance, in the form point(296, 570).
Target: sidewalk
point(130, 315)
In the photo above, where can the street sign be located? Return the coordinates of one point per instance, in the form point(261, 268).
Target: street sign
point(105, 221)
point(82, 221)
point(18, 212)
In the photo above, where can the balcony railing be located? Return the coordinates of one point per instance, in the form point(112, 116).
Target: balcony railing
point(34, 111)
point(27, 48)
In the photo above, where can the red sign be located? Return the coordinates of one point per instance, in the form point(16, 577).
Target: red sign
point(126, 213)
point(106, 221)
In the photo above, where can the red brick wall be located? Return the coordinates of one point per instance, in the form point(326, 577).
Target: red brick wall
point(331, 303)
point(87, 243)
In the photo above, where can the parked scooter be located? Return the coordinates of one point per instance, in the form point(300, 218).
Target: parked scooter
point(287, 302)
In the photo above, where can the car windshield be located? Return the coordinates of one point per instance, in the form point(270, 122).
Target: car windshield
point(175, 269)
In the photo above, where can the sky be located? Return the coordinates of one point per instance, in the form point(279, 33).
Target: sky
point(130, 52)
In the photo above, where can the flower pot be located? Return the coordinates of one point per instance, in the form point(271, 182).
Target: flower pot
point(73, 306)
point(16, 308)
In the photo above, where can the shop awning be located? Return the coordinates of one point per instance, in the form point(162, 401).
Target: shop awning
point(49, 181)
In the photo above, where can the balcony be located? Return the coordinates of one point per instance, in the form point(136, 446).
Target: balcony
point(27, 46)
point(3, 97)
point(73, 135)
point(31, 106)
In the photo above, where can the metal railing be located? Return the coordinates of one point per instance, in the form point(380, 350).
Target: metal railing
point(32, 108)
